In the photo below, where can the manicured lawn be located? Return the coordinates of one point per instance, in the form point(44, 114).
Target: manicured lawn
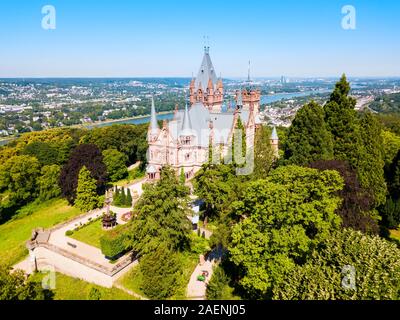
point(68, 288)
point(90, 234)
point(14, 233)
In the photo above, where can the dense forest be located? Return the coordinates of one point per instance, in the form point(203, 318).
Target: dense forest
point(315, 223)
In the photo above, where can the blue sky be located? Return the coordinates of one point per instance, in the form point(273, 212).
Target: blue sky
point(102, 38)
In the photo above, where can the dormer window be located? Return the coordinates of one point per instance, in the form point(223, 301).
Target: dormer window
point(186, 140)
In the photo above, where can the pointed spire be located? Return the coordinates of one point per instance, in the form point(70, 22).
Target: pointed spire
point(274, 135)
point(153, 118)
point(248, 74)
point(239, 101)
point(186, 123)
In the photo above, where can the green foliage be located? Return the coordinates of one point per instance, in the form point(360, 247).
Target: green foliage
point(94, 294)
point(386, 103)
point(391, 145)
point(115, 162)
point(128, 139)
point(391, 213)
point(122, 199)
point(218, 186)
point(115, 242)
point(162, 211)
point(15, 286)
point(356, 209)
point(198, 244)
point(357, 141)
point(308, 137)
point(45, 152)
point(287, 215)
point(182, 177)
point(128, 197)
point(19, 176)
point(341, 119)
point(48, 182)
point(86, 198)
point(218, 284)
point(393, 177)
point(370, 164)
point(376, 263)
point(161, 270)
point(263, 153)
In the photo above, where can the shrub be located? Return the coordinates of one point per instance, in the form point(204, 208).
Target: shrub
point(217, 284)
point(114, 242)
point(69, 233)
point(199, 245)
point(161, 271)
point(94, 294)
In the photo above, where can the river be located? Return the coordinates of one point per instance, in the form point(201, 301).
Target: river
point(168, 116)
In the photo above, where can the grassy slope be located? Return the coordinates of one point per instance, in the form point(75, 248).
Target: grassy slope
point(68, 288)
point(90, 234)
point(14, 233)
point(133, 279)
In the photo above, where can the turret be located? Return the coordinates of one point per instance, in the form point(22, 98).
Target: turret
point(186, 135)
point(154, 129)
point(239, 99)
point(274, 139)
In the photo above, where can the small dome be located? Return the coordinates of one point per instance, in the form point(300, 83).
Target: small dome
point(151, 169)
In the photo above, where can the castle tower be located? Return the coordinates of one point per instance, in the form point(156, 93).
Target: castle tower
point(186, 135)
point(206, 87)
point(154, 129)
point(274, 139)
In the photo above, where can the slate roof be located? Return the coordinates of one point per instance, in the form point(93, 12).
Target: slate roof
point(206, 72)
point(153, 118)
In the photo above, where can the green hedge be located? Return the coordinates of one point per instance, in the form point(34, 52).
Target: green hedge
point(115, 242)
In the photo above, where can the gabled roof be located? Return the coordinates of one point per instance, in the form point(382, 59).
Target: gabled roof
point(186, 124)
point(206, 72)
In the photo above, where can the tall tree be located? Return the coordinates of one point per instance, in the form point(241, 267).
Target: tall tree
point(357, 203)
point(115, 162)
point(162, 215)
point(48, 182)
point(15, 286)
point(341, 119)
point(218, 186)
point(308, 138)
point(370, 265)
point(87, 155)
point(45, 152)
point(263, 153)
point(19, 177)
point(284, 218)
point(370, 164)
point(393, 177)
point(87, 198)
point(161, 271)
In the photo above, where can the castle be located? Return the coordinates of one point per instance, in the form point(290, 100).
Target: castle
point(184, 142)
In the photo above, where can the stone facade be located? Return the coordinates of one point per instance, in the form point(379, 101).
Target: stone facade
point(184, 142)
